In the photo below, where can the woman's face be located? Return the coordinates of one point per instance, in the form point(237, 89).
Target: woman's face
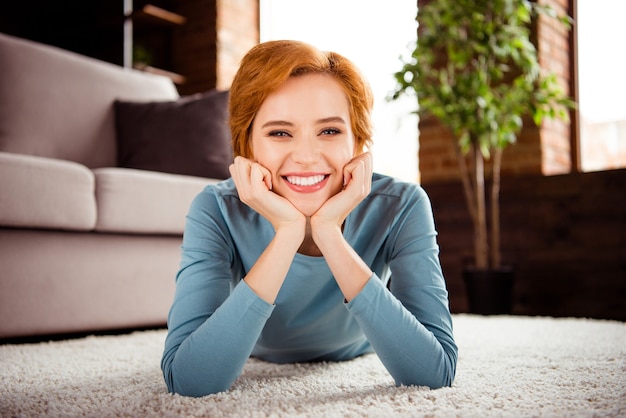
point(302, 134)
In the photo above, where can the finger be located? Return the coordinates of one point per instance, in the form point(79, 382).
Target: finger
point(349, 171)
point(366, 158)
point(240, 171)
point(267, 177)
point(369, 161)
point(361, 182)
point(260, 174)
point(347, 176)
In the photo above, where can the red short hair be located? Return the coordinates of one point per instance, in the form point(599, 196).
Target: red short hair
point(267, 66)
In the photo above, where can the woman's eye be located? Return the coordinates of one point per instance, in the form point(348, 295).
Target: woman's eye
point(330, 131)
point(278, 133)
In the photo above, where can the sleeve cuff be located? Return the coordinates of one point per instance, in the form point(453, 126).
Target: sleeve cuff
point(372, 288)
point(252, 300)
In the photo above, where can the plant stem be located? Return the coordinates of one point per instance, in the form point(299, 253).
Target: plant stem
point(496, 256)
point(466, 178)
point(480, 227)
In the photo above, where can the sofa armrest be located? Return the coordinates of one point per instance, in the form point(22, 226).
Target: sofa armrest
point(144, 202)
point(39, 192)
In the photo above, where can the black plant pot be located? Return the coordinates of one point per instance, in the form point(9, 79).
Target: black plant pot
point(489, 292)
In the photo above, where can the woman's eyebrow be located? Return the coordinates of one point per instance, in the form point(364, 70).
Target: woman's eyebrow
point(332, 119)
point(277, 123)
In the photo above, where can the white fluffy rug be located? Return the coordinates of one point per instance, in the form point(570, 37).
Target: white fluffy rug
point(508, 366)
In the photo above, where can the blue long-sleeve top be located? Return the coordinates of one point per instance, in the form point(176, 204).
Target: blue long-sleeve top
point(217, 322)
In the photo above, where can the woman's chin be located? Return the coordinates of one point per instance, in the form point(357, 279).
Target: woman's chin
point(308, 209)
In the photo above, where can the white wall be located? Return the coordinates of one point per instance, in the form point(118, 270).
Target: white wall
point(373, 34)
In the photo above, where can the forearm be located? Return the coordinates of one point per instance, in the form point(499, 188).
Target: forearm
point(210, 358)
point(267, 275)
point(349, 270)
point(413, 353)
point(254, 185)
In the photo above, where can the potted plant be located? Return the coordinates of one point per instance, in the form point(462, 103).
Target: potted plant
point(474, 67)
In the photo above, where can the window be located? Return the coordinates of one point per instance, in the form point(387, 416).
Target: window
point(601, 83)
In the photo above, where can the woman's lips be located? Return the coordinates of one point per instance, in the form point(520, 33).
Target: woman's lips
point(306, 183)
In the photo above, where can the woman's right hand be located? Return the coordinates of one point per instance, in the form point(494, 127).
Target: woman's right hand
point(254, 185)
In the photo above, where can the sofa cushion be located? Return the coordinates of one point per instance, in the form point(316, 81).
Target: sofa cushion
point(188, 136)
point(144, 202)
point(39, 192)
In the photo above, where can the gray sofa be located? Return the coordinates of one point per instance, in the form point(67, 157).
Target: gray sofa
point(85, 243)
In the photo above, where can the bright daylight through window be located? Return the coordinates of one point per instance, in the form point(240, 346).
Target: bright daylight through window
point(602, 86)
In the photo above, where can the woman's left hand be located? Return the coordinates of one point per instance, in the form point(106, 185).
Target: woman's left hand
point(350, 271)
point(357, 176)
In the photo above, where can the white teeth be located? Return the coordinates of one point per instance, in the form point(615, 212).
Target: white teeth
point(305, 181)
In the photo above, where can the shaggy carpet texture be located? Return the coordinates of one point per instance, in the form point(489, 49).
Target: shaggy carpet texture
point(508, 366)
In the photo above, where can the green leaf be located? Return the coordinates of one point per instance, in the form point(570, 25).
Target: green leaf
point(475, 67)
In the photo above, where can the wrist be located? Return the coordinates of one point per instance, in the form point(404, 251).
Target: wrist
point(324, 234)
point(291, 234)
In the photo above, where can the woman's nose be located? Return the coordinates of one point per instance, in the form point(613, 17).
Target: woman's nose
point(306, 150)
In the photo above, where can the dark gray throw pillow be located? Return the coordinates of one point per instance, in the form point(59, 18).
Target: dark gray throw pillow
point(187, 136)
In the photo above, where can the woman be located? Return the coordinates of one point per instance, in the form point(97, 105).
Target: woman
point(304, 254)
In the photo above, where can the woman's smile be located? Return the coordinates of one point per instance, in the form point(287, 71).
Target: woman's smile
point(306, 183)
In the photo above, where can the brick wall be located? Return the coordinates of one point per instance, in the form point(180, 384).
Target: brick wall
point(554, 56)
point(544, 150)
point(564, 234)
point(237, 32)
point(194, 46)
point(208, 48)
